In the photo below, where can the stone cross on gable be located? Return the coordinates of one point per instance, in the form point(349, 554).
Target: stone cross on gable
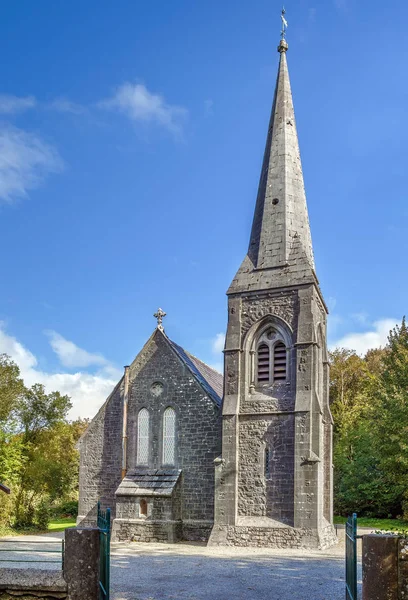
point(159, 315)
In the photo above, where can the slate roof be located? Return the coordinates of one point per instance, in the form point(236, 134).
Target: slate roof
point(208, 378)
point(149, 482)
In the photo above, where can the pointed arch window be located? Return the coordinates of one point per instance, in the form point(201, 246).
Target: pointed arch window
point(272, 359)
point(169, 437)
point(143, 420)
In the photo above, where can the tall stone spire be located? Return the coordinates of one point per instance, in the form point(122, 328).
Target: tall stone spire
point(274, 478)
point(280, 244)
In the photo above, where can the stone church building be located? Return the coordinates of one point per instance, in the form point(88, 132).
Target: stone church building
point(180, 453)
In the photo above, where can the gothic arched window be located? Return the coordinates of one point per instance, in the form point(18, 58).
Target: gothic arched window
point(271, 358)
point(169, 436)
point(143, 437)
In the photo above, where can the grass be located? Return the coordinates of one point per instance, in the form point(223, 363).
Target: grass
point(61, 524)
point(378, 524)
point(54, 526)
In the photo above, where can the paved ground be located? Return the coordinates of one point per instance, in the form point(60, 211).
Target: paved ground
point(34, 551)
point(194, 572)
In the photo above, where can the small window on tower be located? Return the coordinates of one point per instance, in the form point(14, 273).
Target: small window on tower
point(263, 363)
point(279, 362)
point(267, 469)
point(143, 508)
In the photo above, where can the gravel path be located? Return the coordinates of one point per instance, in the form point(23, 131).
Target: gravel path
point(194, 572)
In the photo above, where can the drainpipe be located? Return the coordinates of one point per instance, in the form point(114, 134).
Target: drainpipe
point(124, 431)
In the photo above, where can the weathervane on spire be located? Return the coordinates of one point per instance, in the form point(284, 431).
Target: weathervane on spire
point(159, 315)
point(284, 24)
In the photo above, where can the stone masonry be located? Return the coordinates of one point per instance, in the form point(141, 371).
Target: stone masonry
point(162, 375)
point(274, 477)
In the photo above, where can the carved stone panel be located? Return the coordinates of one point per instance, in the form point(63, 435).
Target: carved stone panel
point(283, 306)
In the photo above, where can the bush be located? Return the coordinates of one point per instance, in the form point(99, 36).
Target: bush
point(66, 509)
point(42, 516)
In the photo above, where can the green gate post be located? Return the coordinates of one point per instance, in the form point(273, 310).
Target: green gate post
point(104, 525)
point(351, 558)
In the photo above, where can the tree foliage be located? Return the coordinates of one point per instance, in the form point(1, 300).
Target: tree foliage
point(38, 456)
point(369, 401)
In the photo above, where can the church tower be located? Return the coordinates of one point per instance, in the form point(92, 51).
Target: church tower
point(274, 477)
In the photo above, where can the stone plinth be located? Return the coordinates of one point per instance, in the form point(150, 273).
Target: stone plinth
point(81, 564)
point(380, 567)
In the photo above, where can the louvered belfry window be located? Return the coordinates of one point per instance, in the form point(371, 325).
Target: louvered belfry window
point(169, 435)
point(279, 362)
point(143, 437)
point(263, 363)
point(271, 358)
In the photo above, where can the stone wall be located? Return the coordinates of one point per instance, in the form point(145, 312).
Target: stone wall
point(158, 379)
point(32, 583)
point(135, 530)
point(198, 424)
point(100, 459)
point(275, 537)
point(266, 494)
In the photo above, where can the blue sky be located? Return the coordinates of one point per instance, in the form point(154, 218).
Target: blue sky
point(131, 139)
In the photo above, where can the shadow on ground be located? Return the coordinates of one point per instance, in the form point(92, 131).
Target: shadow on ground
point(141, 572)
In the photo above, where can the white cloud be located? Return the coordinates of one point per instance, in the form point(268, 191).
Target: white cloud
point(88, 391)
point(140, 105)
point(25, 161)
point(218, 343)
point(66, 106)
point(361, 342)
point(10, 104)
point(70, 355)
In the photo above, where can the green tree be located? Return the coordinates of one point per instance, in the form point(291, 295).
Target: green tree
point(11, 387)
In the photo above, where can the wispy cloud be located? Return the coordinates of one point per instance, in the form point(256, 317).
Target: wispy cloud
point(375, 337)
point(10, 105)
point(64, 105)
point(71, 355)
point(25, 161)
point(217, 347)
point(87, 390)
point(218, 343)
point(140, 105)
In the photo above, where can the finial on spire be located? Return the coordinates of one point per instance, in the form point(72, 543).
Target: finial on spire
point(159, 315)
point(283, 45)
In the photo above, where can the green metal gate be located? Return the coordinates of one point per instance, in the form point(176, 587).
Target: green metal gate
point(104, 526)
point(351, 557)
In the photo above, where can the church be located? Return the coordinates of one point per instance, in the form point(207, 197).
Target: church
point(179, 452)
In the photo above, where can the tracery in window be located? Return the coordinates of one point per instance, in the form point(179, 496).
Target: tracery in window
point(169, 434)
point(143, 437)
